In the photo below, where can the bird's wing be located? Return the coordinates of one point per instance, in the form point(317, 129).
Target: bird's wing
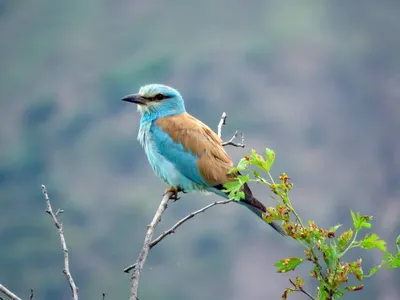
point(194, 149)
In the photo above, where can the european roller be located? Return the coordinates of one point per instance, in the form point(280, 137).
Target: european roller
point(184, 152)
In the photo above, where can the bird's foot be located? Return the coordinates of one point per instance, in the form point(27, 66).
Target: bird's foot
point(174, 192)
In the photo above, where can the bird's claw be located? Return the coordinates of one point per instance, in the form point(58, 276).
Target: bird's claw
point(174, 192)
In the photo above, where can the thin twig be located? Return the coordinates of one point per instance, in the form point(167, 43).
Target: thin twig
point(66, 270)
point(8, 293)
point(299, 288)
point(180, 222)
point(31, 295)
point(231, 142)
point(135, 277)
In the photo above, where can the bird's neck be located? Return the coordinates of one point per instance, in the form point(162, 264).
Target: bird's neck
point(154, 114)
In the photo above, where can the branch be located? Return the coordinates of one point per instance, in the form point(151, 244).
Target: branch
point(180, 222)
point(137, 267)
point(8, 293)
point(66, 270)
point(222, 122)
point(231, 142)
point(299, 288)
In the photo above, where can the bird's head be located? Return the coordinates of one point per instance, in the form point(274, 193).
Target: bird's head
point(157, 100)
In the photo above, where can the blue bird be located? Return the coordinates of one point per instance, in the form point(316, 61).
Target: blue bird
point(184, 152)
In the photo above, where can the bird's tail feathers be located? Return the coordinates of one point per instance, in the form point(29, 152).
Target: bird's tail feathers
point(258, 208)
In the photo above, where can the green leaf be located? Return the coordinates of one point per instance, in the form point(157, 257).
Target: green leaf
point(344, 239)
point(355, 220)
point(234, 189)
point(231, 185)
point(360, 221)
point(372, 241)
point(239, 196)
point(243, 179)
point(270, 158)
point(321, 291)
point(391, 261)
point(288, 264)
point(335, 228)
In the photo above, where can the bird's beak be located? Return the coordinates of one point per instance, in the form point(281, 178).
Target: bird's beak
point(135, 98)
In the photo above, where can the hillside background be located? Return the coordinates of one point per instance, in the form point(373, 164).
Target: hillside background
point(317, 81)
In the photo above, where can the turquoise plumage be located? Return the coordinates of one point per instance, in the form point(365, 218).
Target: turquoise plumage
point(182, 151)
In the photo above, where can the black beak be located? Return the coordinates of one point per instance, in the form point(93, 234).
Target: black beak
point(135, 98)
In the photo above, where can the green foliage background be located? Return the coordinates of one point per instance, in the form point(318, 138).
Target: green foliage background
point(316, 81)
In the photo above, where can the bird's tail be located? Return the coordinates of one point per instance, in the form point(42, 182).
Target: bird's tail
point(258, 208)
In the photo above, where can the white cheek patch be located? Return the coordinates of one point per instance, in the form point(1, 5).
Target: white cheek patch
point(150, 106)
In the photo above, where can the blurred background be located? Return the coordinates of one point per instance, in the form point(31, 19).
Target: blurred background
point(316, 81)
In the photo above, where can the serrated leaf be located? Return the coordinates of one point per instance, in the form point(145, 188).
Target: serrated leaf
point(360, 221)
point(288, 264)
point(243, 163)
point(230, 185)
point(372, 241)
point(243, 178)
point(344, 239)
point(391, 261)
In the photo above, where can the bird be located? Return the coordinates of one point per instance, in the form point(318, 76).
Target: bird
point(184, 152)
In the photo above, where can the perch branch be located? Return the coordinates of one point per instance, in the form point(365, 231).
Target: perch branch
point(230, 142)
point(57, 223)
point(135, 277)
point(180, 222)
point(31, 295)
point(300, 289)
point(8, 293)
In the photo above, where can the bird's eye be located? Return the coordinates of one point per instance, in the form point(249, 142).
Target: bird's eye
point(159, 97)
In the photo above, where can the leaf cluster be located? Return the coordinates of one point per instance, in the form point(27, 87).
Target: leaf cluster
point(324, 249)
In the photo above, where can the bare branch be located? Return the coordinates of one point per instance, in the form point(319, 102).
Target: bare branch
point(66, 270)
point(8, 293)
point(180, 222)
point(31, 295)
point(231, 142)
point(299, 288)
point(135, 277)
point(222, 122)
